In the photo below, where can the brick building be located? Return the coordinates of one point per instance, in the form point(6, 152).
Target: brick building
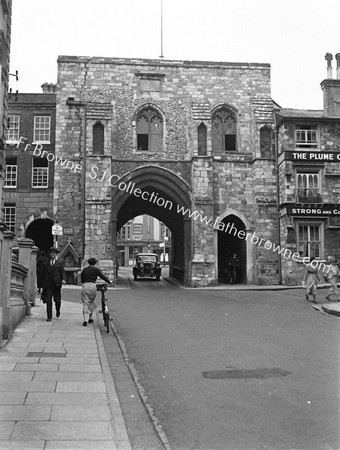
point(309, 179)
point(5, 39)
point(190, 143)
point(29, 178)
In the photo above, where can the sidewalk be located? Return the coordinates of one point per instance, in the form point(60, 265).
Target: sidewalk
point(56, 389)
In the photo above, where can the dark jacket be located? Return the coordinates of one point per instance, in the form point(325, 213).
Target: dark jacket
point(53, 275)
point(41, 261)
point(90, 274)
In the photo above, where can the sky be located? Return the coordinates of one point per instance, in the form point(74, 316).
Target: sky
point(293, 36)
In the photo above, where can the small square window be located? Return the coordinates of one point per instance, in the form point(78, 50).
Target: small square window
point(306, 136)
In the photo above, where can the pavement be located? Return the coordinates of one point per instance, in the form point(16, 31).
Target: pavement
point(56, 388)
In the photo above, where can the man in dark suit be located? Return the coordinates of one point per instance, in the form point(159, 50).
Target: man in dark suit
point(54, 275)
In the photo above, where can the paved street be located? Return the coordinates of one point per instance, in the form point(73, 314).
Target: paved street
point(233, 370)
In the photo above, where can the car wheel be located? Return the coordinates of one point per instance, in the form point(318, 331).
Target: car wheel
point(157, 278)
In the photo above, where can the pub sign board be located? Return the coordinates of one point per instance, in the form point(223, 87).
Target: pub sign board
point(313, 211)
point(312, 157)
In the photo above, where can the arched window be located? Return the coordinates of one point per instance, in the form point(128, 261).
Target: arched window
point(202, 139)
point(149, 129)
point(223, 131)
point(266, 142)
point(98, 139)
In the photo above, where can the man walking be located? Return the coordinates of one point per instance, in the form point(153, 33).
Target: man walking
point(332, 277)
point(54, 275)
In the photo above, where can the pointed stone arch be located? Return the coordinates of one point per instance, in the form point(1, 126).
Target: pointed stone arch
point(137, 193)
point(237, 243)
point(40, 231)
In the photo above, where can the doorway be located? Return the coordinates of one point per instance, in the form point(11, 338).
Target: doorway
point(228, 244)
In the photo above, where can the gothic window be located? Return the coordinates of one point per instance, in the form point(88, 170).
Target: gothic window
point(98, 139)
point(149, 129)
point(202, 139)
point(266, 142)
point(223, 131)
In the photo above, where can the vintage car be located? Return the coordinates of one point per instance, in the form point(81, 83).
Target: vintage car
point(147, 266)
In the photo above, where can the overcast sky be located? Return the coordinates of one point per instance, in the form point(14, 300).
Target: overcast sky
point(293, 36)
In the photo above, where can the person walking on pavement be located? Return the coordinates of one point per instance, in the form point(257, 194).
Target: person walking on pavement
point(332, 277)
point(54, 276)
point(88, 278)
point(311, 279)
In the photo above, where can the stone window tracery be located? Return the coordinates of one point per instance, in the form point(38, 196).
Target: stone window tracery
point(223, 130)
point(149, 130)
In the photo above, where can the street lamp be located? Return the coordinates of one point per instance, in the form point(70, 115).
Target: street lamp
point(164, 240)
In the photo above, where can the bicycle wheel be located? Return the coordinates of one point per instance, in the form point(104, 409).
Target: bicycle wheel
point(106, 322)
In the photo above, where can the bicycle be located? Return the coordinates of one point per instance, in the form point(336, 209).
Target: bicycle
point(102, 287)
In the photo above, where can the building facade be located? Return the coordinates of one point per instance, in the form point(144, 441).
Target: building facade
point(5, 39)
point(309, 180)
point(143, 234)
point(189, 143)
point(29, 175)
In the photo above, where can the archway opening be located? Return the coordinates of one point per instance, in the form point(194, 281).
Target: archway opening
point(161, 192)
point(40, 231)
point(229, 243)
point(143, 234)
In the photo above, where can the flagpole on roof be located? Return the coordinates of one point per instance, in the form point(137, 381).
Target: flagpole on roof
point(161, 56)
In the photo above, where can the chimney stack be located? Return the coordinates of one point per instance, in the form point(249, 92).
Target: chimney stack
point(49, 88)
point(337, 57)
point(328, 58)
point(331, 88)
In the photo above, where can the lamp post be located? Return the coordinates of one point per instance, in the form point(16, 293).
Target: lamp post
point(164, 241)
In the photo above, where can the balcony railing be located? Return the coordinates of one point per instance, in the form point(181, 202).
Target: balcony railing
point(307, 195)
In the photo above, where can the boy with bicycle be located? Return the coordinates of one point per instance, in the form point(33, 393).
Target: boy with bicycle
point(88, 278)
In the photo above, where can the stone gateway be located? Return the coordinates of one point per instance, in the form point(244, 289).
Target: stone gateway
point(186, 134)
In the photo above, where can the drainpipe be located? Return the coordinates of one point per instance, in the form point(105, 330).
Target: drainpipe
point(276, 138)
point(84, 179)
point(72, 102)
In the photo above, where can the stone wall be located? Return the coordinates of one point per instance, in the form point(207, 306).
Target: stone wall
point(112, 91)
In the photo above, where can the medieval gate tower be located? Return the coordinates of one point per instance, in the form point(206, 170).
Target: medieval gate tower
point(187, 142)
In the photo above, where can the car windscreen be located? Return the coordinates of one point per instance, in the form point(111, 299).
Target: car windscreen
point(147, 258)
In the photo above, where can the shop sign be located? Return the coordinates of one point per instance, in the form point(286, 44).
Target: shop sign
point(137, 231)
point(317, 157)
point(309, 211)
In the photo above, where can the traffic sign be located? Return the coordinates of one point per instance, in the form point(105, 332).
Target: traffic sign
point(57, 229)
